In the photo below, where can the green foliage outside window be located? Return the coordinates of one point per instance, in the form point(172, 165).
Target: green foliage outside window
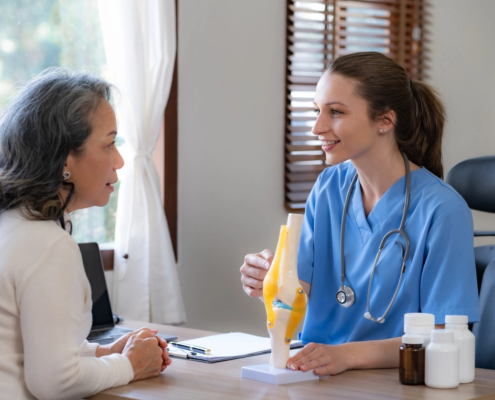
point(38, 34)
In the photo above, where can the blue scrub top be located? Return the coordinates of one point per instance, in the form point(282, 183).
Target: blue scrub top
point(440, 276)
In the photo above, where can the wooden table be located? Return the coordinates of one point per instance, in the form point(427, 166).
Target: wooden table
point(186, 379)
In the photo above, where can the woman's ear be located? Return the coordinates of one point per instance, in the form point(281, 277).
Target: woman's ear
point(70, 161)
point(386, 122)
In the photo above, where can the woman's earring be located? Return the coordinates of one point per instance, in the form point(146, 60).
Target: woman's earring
point(66, 175)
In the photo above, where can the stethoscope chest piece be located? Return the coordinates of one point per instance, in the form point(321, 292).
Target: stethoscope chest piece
point(345, 296)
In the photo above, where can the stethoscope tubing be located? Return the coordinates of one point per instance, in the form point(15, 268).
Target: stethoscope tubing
point(399, 231)
point(342, 232)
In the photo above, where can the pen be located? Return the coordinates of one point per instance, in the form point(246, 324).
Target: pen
point(181, 355)
point(197, 349)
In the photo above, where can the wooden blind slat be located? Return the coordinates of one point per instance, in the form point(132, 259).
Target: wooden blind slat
point(347, 14)
point(293, 138)
point(368, 6)
point(304, 79)
point(291, 128)
point(352, 24)
point(312, 1)
point(304, 157)
point(308, 59)
point(302, 88)
point(305, 168)
point(298, 196)
point(301, 147)
point(301, 20)
point(307, 10)
point(366, 44)
point(302, 99)
point(308, 40)
point(306, 69)
point(310, 30)
point(391, 37)
point(298, 118)
point(300, 186)
point(300, 109)
point(309, 50)
point(305, 177)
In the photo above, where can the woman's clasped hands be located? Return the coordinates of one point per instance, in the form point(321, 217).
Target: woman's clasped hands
point(147, 352)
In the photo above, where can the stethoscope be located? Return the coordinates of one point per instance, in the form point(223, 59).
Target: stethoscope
point(345, 295)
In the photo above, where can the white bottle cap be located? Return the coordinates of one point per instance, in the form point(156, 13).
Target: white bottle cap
point(456, 319)
point(419, 319)
point(412, 339)
point(418, 330)
point(442, 336)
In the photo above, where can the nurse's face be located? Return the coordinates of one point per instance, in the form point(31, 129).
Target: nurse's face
point(343, 124)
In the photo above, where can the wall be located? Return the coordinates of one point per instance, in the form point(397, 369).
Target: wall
point(231, 138)
point(462, 70)
point(231, 123)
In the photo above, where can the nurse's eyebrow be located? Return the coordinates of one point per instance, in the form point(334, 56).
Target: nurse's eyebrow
point(112, 133)
point(331, 103)
point(335, 102)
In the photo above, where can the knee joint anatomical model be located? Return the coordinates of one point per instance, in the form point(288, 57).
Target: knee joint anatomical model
point(285, 300)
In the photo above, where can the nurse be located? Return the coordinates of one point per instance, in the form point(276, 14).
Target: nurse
point(375, 124)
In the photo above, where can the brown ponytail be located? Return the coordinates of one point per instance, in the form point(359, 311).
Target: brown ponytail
point(420, 115)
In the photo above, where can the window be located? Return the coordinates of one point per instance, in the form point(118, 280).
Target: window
point(37, 34)
point(319, 31)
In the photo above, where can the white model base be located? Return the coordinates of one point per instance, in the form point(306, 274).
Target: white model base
point(276, 376)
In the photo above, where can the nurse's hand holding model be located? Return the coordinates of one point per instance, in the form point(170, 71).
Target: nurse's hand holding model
point(383, 235)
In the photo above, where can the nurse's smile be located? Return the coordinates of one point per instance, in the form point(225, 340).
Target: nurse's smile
point(328, 145)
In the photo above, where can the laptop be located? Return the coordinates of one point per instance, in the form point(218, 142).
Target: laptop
point(103, 330)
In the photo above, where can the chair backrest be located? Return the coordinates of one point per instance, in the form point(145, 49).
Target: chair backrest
point(474, 179)
point(484, 330)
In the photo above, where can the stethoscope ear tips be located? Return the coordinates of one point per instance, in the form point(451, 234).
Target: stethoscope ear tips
point(367, 315)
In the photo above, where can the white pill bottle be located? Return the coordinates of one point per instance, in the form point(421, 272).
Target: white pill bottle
point(419, 324)
point(442, 360)
point(465, 341)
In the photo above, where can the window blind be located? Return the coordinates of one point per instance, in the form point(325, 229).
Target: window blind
point(319, 31)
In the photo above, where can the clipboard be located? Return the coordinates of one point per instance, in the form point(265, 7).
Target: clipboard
point(226, 346)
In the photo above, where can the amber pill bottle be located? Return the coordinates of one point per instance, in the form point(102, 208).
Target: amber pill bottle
point(412, 360)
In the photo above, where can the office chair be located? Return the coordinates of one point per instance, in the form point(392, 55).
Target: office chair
point(474, 180)
point(483, 330)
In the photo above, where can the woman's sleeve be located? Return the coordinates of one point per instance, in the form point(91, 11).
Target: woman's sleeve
point(305, 253)
point(51, 297)
point(88, 349)
point(448, 282)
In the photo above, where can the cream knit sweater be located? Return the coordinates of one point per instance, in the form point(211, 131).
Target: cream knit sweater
point(45, 316)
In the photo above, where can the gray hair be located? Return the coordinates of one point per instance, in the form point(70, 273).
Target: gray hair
point(49, 118)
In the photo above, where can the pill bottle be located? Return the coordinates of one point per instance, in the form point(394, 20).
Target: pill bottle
point(465, 341)
point(419, 324)
point(442, 360)
point(412, 360)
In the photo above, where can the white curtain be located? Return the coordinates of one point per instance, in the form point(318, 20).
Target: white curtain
point(139, 38)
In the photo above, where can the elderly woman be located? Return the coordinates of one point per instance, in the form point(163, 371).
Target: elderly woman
point(58, 155)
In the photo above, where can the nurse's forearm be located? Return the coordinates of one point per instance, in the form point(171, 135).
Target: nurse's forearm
point(373, 354)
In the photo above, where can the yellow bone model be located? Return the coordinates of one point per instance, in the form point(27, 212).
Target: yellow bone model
point(285, 300)
point(270, 283)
